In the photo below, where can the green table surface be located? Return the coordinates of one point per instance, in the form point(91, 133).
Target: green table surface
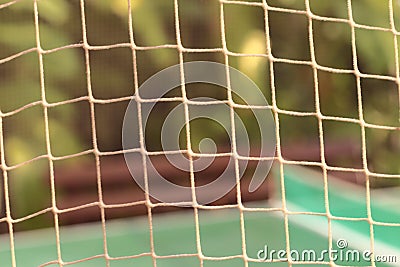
point(220, 233)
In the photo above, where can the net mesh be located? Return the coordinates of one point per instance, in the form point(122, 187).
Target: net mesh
point(272, 59)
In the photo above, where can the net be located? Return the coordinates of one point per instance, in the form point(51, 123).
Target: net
point(264, 55)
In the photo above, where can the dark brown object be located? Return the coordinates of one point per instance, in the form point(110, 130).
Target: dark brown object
point(123, 197)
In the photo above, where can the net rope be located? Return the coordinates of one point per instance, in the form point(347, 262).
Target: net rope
point(87, 47)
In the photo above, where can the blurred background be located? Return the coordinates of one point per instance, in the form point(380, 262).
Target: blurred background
point(70, 125)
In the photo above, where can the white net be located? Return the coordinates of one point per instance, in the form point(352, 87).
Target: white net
point(288, 34)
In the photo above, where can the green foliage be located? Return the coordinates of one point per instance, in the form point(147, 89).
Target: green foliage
point(154, 24)
point(24, 131)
